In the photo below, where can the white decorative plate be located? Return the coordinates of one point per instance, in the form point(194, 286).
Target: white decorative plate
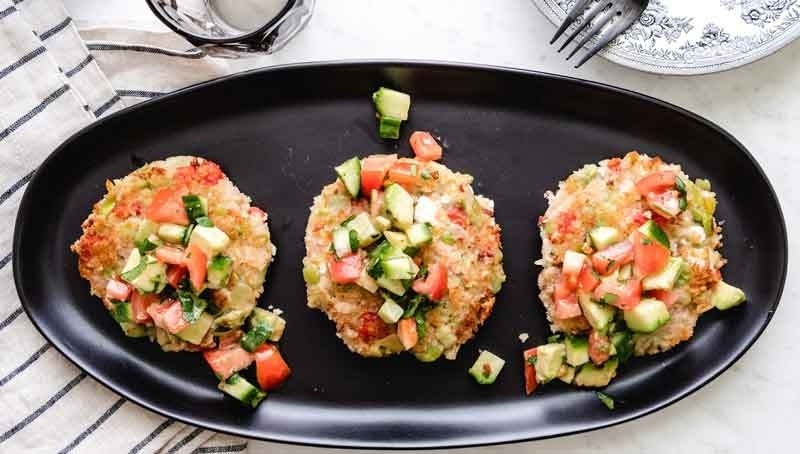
point(697, 36)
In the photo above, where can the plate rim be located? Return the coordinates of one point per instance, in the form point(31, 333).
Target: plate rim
point(487, 440)
point(773, 47)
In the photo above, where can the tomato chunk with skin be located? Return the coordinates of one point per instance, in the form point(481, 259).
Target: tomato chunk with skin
point(170, 255)
point(650, 256)
point(167, 207)
point(373, 172)
point(345, 270)
point(228, 360)
point(668, 297)
point(196, 263)
point(588, 280)
point(612, 257)
point(624, 295)
point(117, 290)
point(599, 347)
point(425, 146)
point(656, 182)
point(175, 274)
point(567, 308)
point(370, 327)
point(435, 284)
point(407, 332)
point(530, 371)
point(562, 290)
point(405, 173)
point(139, 304)
point(168, 315)
point(271, 369)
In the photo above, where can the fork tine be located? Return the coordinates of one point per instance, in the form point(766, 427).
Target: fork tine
point(573, 14)
point(624, 20)
point(593, 11)
point(591, 32)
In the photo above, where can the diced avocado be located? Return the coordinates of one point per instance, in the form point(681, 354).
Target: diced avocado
point(211, 240)
point(389, 127)
point(366, 282)
point(598, 315)
point(577, 350)
point(725, 296)
point(486, 368)
point(135, 330)
point(603, 237)
point(273, 322)
point(219, 271)
point(381, 223)
point(134, 265)
point(153, 277)
point(666, 278)
point(392, 103)
point(623, 345)
point(425, 210)
point(567, 374)
point(593, 376)
point(365, 230)
point(394, 286)
point(419, 234)
point(350, 174)
point(172, 233)
point(122, 312)
point(196, 332)
point(400, 205)
point(431, 353)
point(390, 312)
point(397, 239)
point(649, 315)
point(549, 359)
point(242, 390)
point(654, 232)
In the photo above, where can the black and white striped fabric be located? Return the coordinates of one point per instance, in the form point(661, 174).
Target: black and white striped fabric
point(53, 81)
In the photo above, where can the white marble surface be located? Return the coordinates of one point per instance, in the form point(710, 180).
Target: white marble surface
point(752, 407)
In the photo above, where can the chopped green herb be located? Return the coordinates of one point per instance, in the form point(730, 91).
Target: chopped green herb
point(607, 400)
point(680, 185)
point(422, 326)
point(353, 235)
point(531, 360)
point(682, 202)
point(145, 246)
point(193, 306)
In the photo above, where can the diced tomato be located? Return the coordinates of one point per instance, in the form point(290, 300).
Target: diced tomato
point(656, 182)
point(229, 360)
point(435, 284)
point(425, 146)
point(612, 257)
point(562, 290)
point(458, 216)
point(567, 308)
point(345, 270)
point(599, 347)
point(196, 263)
point(530, 371)
point(565, 222)
point(139, 304)
point(168, 315)
point(649, 256)
point(639, 218)
point(175, 274)
point(668, 297)
point(588, 279)
point(572, 266)
point(405, 173)
point(167, 206)
point(370, 327)
point(170, 255)
point(207, 173)
point(373, 172)
point(271, 370)
point(626, 295)
point(117, 290)
point(614, 163)
point(407, 332)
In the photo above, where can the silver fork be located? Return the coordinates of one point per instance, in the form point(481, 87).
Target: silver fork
point(620, 13)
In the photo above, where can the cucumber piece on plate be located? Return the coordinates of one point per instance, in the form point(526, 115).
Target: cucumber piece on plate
point(389, 127)
point(649, 315)
point(392, 103)
point(593, 376)
point(725, 296)
point(654, 232)
point(172, 233)
point(486, 368)
point(196, 332)
point(598, 315)
point(397, 239)
point(273, 322)
point(400, 205)
point(399, 267)
point(122, 312)
point(242, 390)
point(211, 240)
point(350, 174)
point(390, 312)
point(666, 278)
point(342, 246)
point(419, 234)
point(603, 237)
point(219, 271)
point(577, 350)
point(365, 230)
point(153, 277)
point(393, 286)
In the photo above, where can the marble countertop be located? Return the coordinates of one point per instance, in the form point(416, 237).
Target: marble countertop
point(751, 407)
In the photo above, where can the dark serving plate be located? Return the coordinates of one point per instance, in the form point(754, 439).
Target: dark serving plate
point(278, 132)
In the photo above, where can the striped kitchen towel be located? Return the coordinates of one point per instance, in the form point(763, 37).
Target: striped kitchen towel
point(52, 83)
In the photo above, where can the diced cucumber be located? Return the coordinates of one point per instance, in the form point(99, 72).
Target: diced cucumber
point(350, 174)
point(196, 332)
point(188, 235)
point(389, 127)
point(593, 376)
point(598, 315)
point(486, 368)
point(649, 315)
point(134, 265)
point(381, 223)
point(666, 278)
point(577, 350)
point(419, 234)
point(549, 359)
point(603, 237)
point(400, 205)
point(342, 246)
point(654, 232)
point(146, 228)
point(397, 239)
point(392, 103)
point(242, 390)
point(400, 267)
point(366, 282)
point(135, 330)
point(567, 374)
point(219, 271)
point(393, 286)
point(272, 322)
point(425, 210)
point(623, 344)
point(390, 312)
point(254, 338)
point(431, 353)
point(196, 206)
point(365, 230)
point(153, 278)
point(725, 296)
point(211, 240)
point(172, 233)
point(122, 312)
